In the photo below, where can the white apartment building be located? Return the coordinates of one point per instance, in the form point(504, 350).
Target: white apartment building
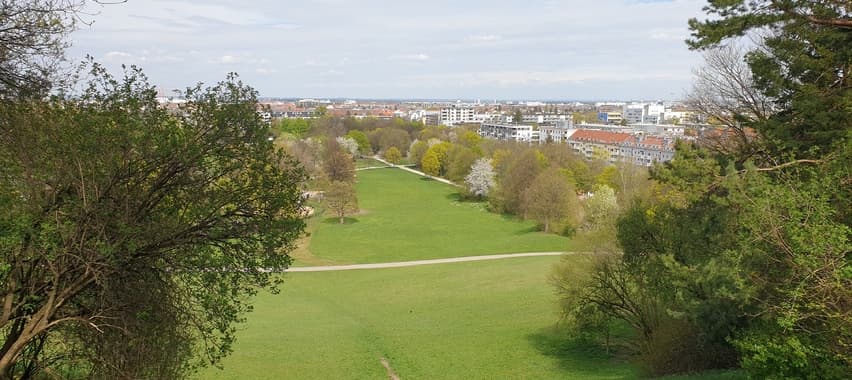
point(456, 115)
point(547, 118)
point(558, 132)
point(509, 132)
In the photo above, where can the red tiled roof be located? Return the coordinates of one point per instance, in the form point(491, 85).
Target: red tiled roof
point(602, 137)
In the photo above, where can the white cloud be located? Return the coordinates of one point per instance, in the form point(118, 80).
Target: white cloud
point(265, 70)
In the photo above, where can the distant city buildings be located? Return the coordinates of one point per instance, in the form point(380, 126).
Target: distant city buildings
point(451, 116)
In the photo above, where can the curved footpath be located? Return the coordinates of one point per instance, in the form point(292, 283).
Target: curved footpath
point(399, 264)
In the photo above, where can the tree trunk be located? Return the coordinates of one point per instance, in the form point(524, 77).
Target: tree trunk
point(341, 219)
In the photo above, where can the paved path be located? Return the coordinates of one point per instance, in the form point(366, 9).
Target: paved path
point(418, 172)
point(399, 264)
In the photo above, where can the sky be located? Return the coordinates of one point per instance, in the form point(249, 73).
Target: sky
point(428, 49)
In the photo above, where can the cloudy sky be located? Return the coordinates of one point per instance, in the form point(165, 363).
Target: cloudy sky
point(471, 49)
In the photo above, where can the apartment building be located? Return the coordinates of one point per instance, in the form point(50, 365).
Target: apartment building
point(637, 149)
point(509, 132)
point(456, 115)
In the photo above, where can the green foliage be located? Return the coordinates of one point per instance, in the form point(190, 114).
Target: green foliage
point(417, 151)
point(459, 161)
point(341, 199)
point(431, 163)
point(393, 155)
point(549, 199)
point(363, 143)
point(295, 127)
point(803, 65)
point(131, 237)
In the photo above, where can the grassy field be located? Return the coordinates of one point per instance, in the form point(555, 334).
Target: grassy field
point(406, 217)
point(477, 320)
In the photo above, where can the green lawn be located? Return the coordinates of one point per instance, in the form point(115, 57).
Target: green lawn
point(476, 320)
point(406, 217)
point(366, 162)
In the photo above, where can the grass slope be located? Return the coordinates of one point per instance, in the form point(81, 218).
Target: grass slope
point(405, 217)
point(477, 320)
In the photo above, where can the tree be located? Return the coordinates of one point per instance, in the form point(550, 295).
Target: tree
point(459, 160)
point(32, 43)
point(517, 117)
point(437, 152)
point(601, 208)
point(416, 151)
point(802, 65)
point(480, 180)
point(341, 198)
point(431, 163)
point(363, 143)
point(348, 144)
point(131, 237)
point(338, 164)
point(519, 174)
point(724, 90)
point(392, 155)
point(549, 198)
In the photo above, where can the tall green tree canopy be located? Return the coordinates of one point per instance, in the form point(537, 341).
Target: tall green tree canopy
point(131, 236)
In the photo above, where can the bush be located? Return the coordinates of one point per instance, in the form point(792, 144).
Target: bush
point(676, 346)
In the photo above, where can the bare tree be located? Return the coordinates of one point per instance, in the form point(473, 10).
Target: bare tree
point(724, 90)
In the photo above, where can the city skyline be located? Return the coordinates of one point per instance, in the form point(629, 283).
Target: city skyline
point(539, 50)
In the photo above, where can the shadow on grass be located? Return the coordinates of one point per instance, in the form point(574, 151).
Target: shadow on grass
point(528, 230)
point(336, 220)
point(579, 357)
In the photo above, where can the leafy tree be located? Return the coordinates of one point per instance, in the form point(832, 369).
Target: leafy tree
point(338, 165)
point(132, 237)
point(392, 155)
point(439, 152)
point(417, 151)
point(295, 127)
point(459, 161)
point(363, 143)
point(480, 180)
point(802, 65)
point(470, 139)
point(348, 144)
point(602, 207)
point(431, 163)
point(341, 198)
point(518, 176)
point(549, 198)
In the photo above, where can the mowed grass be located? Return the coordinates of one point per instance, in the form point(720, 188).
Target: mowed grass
point(475, 320)
point(407, 217)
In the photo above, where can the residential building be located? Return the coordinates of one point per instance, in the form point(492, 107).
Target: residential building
point(456, 115)
point(509, 132)
point(556, 132)
point(637, 149)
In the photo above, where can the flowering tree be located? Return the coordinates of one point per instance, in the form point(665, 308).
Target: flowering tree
point(481, 177)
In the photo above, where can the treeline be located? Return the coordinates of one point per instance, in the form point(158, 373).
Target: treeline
point(741, 258)
point(548, 183)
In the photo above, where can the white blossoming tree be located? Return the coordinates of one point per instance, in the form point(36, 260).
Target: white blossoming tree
point(481, 178)
point(348, 144)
